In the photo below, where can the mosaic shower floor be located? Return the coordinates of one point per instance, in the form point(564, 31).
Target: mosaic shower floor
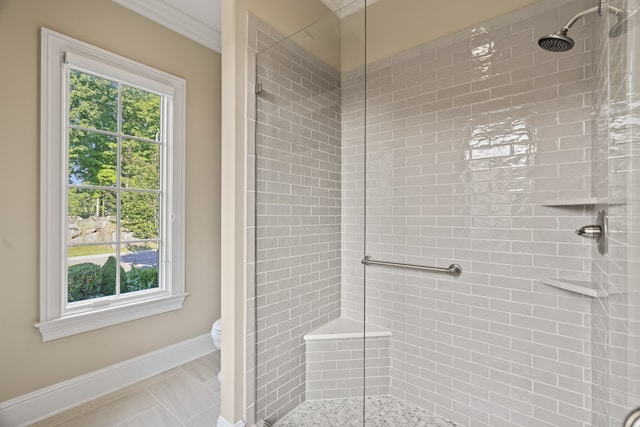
point(381, 411)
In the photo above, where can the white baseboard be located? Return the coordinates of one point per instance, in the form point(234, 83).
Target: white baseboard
point(222, 422)
point(40, 404)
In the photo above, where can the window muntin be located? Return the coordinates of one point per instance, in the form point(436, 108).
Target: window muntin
point(114, 155)
point(125, 135)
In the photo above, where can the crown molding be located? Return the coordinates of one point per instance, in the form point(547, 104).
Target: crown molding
point(175, 19)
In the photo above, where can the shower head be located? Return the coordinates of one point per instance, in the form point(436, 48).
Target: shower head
point(621, 27)
point(561, 42)
point(558, 42)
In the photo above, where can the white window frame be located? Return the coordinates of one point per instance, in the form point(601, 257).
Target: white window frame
point(58, 50)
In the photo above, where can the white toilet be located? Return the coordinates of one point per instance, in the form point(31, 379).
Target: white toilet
point(216, 335)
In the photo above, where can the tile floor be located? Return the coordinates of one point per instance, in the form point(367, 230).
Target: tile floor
point(186, 396)
point(381, 411)
point(189, 396)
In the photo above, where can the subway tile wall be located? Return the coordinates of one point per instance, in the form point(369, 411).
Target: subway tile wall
point(298, 221)
point(467, 138)
point(334, 368)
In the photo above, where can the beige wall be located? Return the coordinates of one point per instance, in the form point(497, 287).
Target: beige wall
point(393, 26)
point(27, 364)
point(288, 16)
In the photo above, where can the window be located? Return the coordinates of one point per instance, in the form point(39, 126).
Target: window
point(112, 197)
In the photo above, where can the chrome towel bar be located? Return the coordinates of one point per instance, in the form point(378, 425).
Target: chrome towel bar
point(453, 269)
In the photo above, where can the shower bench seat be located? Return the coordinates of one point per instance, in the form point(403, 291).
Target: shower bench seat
point(334, 360)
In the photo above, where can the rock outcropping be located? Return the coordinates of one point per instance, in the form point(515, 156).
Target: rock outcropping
point(94, 230)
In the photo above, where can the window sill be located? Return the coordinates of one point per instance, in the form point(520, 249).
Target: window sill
point(108, 316)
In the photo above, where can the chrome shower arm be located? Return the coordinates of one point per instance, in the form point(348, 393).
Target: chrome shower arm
point(580, 15)
point(599, 9)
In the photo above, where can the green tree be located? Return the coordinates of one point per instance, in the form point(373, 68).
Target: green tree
point(116, 130)
point(93, 156)
point(93, 104)
point(140, 214)
point(108, 277)
point(139, 279)
point(140, 162)
point(140, 113)
point(81, 203)
point(89, 280)
point(83, 281)
point(93, 101)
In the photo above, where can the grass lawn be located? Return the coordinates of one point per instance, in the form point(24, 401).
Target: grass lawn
point(75, 251)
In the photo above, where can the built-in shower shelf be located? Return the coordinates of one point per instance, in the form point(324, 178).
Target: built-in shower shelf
point(585, 201)
point(578, 286)
point(343, 328)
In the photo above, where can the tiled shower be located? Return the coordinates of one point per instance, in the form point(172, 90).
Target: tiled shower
point(479, 149)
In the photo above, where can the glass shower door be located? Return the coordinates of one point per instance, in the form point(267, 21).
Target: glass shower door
point(617, 363)
point(308, 223)
point(484, 150)
point(479, 149)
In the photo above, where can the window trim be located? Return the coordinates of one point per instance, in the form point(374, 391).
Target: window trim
point(54, 323)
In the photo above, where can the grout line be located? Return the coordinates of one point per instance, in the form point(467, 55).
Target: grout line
point(137, 414)
point(134, 388)
point(197, 379)
point(175, 416)
point(202, 412)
